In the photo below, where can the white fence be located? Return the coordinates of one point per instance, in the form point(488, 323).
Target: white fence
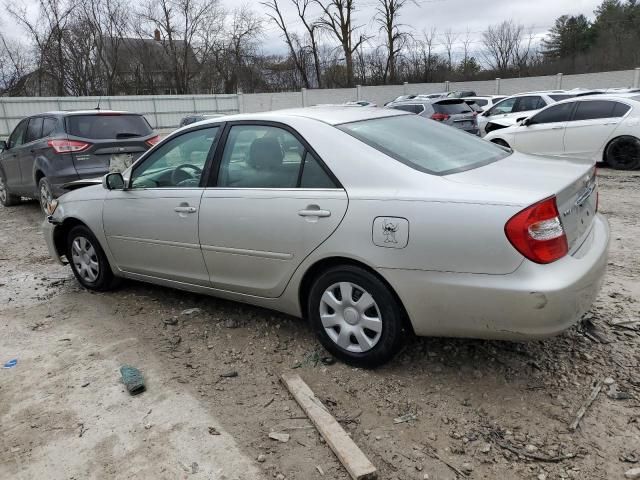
point(165, 111)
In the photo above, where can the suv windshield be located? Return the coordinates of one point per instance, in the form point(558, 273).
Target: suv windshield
point(425, 145)
point(108, 126)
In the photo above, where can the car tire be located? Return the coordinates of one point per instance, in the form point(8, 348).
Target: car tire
point(45, 194)
point(7, 199)
point(88, 261)
point(342, 325)
point(623, 153)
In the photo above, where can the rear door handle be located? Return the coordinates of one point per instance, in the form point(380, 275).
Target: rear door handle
point(314, 212)
point(557, 128)
point(183, 209)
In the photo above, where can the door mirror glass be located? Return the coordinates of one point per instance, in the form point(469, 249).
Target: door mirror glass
point(113, 181)
point(3, 145)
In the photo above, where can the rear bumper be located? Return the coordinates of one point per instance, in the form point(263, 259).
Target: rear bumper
point(535, 301)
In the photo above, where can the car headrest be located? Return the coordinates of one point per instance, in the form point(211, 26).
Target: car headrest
point(265, 153)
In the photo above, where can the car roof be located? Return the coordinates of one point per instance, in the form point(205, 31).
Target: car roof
point(68, 113)
point(604, 96)
point(332, 115)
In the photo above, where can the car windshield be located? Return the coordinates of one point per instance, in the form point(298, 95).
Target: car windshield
point(107, 126)
point(424, 144)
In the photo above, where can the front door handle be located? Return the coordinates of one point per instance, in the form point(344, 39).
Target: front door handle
point(314, 211)
point(557, 128)
point(185, 209)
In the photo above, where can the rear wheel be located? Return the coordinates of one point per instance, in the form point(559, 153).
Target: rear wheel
point(623, 153)
point(355, 316)
point(88, 260)
point(6, 198)
point(45, 194)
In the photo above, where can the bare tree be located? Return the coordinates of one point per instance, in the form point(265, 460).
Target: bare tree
point(502, 43)
point(312, 28)
point(14, 64)
point(293, 45)
point(388, 17)
point(449, 39)
point(429, 39)
point(337, 19)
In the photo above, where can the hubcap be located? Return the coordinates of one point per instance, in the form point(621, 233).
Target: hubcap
point(45, 197)
point(85, 259)
point(3, 190)
point(351, 317)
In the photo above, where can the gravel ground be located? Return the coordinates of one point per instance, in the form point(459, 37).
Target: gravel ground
point(473, 409)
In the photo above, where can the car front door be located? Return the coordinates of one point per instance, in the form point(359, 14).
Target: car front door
point(271, 203)
point(544, 132)
point(152, 226)
point(11, 157)
point(592, 124)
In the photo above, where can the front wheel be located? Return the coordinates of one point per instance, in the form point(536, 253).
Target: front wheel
point(355, 316)
point(623, 153)
point(88, 261)
point(6, 198)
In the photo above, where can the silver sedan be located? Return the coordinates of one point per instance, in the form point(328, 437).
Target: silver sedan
point(373, 224)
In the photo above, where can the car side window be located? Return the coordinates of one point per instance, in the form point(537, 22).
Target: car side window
point(554, 114)
point(525, 104)
point(313, 175)
point(49, 124)
point(178, 163)
point(34, 129)
point(594, 109)
point(620, 110)
point(260, 156)
point(505, 106)
point(17, 136)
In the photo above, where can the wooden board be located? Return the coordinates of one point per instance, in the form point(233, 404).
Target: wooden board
point(356, 463)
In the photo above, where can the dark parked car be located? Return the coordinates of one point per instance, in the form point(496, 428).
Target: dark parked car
point(46, 151)
point(450, 111)
point(196, 117)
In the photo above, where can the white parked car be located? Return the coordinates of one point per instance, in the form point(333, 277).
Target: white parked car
point(371, 223)
point(485, 102)
point(601, 128)
point(506, 112)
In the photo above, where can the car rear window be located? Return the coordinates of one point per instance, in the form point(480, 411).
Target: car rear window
point(425, 145)
point(108, 126)
point(452, 107)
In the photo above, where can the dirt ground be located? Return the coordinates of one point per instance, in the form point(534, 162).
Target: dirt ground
point(477, 409)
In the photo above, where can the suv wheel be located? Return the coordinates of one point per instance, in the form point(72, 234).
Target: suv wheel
point(88, 261)
point(6, 198)
point(623, 153)
point(355, 316)
point(45, 194)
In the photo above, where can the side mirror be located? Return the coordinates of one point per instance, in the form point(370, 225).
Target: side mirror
point(3, 145)
point(113, 181)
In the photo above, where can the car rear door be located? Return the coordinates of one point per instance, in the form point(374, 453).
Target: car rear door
point(152, 226)
point(29, 150)
point(544, 132)
point(270, 204)
point(108, 141)
point(592, 124)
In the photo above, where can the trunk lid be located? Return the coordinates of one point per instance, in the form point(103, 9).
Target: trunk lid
point(532, 178)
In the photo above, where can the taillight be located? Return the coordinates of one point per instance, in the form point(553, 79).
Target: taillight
point(439, 117)
point(153, 140)
point(68, 146)
point(537, 232)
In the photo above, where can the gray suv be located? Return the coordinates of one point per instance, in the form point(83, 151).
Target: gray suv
point(46, 151)
point(450, 111)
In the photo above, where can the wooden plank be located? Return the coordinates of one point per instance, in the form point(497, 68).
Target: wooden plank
point(585, 406)
point(356, 463)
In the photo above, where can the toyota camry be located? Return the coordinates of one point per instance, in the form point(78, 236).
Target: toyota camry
point(370, 223)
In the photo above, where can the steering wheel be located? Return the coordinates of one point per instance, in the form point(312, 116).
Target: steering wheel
point(180, 173)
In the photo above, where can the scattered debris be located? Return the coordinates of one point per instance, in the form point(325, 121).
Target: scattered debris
point(630, 457)
point(261, 458)
point(170, 321)
point(191, 311)
point(497, 438)
point(132, 379)
point(86, 384)
point(614, 394)
point(11, 363)
point(268, 402)
point(213, 431)
point(632, 474)
point(319, 468)
point(82, 429)
point(194, 467)
point(405, 418)
point(281, 437)
point(328, 360)
point(356, 463)
point(230, 323)
point(583, 409)
point(230, 374)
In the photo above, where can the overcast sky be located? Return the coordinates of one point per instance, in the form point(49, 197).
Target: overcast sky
point(421, 15)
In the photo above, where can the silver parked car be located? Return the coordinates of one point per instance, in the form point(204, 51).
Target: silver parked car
point(371, 223)
point(454, 112)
